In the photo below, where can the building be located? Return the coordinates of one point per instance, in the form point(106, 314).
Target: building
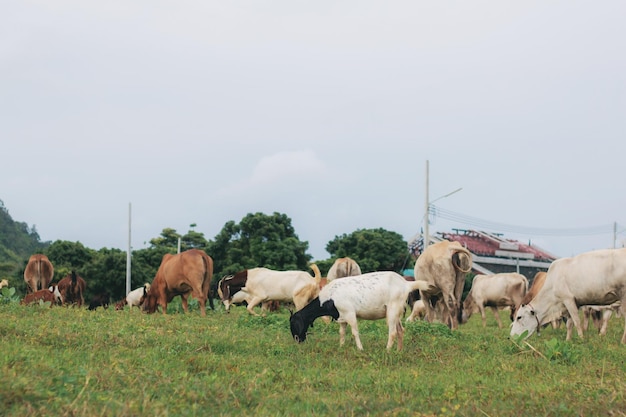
point(493, 254)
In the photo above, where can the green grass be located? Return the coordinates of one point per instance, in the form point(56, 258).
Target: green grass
point(74, 362)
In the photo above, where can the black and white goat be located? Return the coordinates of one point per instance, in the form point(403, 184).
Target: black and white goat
point(370, 296)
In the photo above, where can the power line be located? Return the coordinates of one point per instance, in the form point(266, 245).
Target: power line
point(524, 230)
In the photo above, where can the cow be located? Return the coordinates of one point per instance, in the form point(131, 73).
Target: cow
point(371, 296)
point(72, 287)
point(38, 273)
point(417, 311)
point(99, 300)
point(591, 278)
point(134, 298)
point(444, 265)
point(343, 267)
point(494, 291)
point(258, 285)
point(186, 273)
point(51, 295)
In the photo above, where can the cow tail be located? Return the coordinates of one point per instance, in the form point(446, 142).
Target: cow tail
point(318, 274)
point(39, 274)
point(462, 263)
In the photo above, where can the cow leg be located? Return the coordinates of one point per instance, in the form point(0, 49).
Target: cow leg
point(351, 320)
point(253, 302)
point(497, 314)
point(572, 309)
point(453, 311)
point(606, 315)
point(483, 316)
point(395, 330)
point(185, 302)
point(342, 333)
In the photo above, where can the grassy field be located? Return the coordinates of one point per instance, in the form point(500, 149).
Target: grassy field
point(74, 362)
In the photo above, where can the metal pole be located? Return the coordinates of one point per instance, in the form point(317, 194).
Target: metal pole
point(426, 216)
point(614, 235)
point(128, 253)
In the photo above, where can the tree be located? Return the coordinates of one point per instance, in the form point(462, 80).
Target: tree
point(373, 249)
point(258, 240)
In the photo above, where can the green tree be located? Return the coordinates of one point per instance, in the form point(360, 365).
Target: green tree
point(258, 240)
point(373, 249)
point(67, 256)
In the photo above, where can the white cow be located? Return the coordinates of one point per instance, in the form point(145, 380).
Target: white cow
point(443, 265)
point(592, 278)
point(497, 290)
point(371, 296)
point(258, 285)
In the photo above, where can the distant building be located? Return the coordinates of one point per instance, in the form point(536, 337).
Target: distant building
point(493, 254)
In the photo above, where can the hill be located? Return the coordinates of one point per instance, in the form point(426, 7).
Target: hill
point(18, 241)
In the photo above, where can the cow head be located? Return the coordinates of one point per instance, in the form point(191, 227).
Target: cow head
point(526, 320)
point(150, 300)
point(298, 327)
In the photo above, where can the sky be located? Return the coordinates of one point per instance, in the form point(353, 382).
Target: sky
point(201, 112)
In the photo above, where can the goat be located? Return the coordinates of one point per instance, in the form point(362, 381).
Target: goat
point(370, 296)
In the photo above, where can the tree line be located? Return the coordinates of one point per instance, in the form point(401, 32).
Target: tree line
point(257, 240)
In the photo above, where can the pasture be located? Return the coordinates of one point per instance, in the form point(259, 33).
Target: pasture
point(74, 362)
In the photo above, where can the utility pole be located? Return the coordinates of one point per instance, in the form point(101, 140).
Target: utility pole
point(426, 210)
point(128, 253)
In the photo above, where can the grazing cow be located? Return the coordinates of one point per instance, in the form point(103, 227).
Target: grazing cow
point(51, 295)
point(343, 267)
point(72, 287)
point(100, 300)
point(371, 296)
point(494, 291)
point(592, 278)
point(38, 273)
point(538, 280)
point(134, 298)
point(258, 285)
point(184, 274)
point(443, 265)
point(4, 283)
point(417, 311)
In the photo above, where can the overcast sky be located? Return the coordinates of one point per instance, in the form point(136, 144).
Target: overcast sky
point(327, 111)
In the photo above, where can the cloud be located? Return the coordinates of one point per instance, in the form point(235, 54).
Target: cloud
point(279, 170)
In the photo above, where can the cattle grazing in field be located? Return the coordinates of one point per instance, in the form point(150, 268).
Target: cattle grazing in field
point(370, 296)
point(592, 278)
point(72, 287)
point(184, 274)
point(134, 298)
point(51, 295)
point(100, 300)
point(38, 273)
point(260, 285)
point(494, 291)
point(444, 265)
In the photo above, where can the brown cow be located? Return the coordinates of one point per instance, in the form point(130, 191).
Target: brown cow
point(444, 265)
point(189, 272)
point(50, 295)
point(72, 288)
point(38, 273)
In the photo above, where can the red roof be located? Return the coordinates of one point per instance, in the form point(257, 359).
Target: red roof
point(489, 244)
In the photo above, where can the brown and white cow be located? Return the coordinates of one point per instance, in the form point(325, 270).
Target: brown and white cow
point(592, 278)
point(259, 285)
point(38, 273)
point(494, 291)
point(51, 295)
point(444, 265)
point(72, 288)
point(184, 274)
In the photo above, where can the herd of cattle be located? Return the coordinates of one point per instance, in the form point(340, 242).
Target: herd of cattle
point(594, 281)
